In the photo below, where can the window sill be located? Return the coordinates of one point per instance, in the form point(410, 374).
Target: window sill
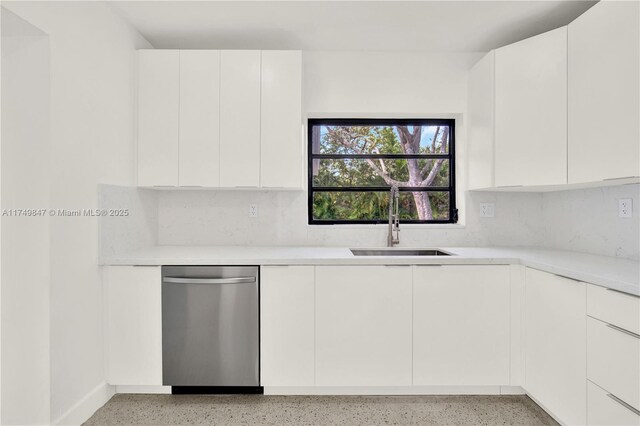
point(402, 226)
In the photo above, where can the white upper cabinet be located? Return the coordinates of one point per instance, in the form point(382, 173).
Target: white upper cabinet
point(211, 118)
point(604, 92)
point(281, 153)
point(531, 111)
point(481, 119)
point(240, 118)
point(158, 112)
point(565, 106)
point(199, 140)
point(461, 332)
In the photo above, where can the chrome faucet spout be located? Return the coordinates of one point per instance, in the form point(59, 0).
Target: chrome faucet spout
point(393, 235)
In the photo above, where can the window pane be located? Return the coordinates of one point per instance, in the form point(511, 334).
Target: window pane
point(351, 172)
point(356, 140)
point(350, 205)
point(417, 204)
point(374, 205)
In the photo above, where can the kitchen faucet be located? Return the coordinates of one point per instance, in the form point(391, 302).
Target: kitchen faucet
point(393, 237)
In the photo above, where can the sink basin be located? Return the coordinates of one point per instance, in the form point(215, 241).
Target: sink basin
point(399, 252)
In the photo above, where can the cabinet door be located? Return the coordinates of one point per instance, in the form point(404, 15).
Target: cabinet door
point(199, 118)
point(531, 111)
point(363, 325)
point(239, 118)
point(461, 325)
point(287, 325)
point(555, 344)
point(604, 92)
point(281, 162)
point(134, 325)
point(481, 137)
point(158, 100)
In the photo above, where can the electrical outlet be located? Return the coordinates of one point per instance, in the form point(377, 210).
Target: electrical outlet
point(487, 209)
point(625, 207)
point(253, 210)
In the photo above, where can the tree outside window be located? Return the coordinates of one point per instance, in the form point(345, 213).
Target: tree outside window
point(353, 164)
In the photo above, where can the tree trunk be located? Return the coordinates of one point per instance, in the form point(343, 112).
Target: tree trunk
point(411, 145)
point(423, 205)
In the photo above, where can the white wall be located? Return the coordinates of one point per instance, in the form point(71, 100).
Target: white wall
point(92, 77)
point(356, 84)
point(386, 84)
point(25, 366)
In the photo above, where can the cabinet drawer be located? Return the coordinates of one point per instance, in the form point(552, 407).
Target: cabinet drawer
point(614, 307)
point(613, 360)
point(605, 410)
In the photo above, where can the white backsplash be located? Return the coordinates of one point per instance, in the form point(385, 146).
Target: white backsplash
point(221, 218)
point(587, 220)
point(138, 229)
point(579, 220)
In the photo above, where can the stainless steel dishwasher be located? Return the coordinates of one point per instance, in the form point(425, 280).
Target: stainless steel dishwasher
point(210, 329)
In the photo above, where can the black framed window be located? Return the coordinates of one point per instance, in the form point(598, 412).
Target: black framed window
point(354, 162)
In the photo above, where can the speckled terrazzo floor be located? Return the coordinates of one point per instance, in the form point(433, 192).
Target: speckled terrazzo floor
point(319, 410)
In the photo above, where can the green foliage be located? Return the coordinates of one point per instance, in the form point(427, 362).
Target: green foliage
point(372, 205)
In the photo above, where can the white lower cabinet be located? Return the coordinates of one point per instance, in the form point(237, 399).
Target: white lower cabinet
point(613, 357)
point(614, 307)
point(134, 325)
point(401, 326)
point(363, 326)
point(613, 360)
point(287, 321)
point(461, 333)
point(555, 345)
point(603, 409)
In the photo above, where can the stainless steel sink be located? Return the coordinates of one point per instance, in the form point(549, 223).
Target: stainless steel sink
point(399, 252)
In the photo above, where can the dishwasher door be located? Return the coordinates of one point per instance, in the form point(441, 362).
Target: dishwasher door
point(210, 330)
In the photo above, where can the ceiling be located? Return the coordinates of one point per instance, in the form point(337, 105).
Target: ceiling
point(432, 26)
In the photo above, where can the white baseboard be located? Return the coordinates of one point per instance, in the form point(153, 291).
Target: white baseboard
point(143, 389)
point(86, 406)
point(512, 390)
point(353, 390)
point(383, 390)
point(546, 410)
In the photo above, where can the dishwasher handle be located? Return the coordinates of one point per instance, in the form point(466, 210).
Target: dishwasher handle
point(234, 280)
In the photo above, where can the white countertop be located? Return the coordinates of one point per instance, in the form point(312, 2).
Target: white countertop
point(615, 273)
